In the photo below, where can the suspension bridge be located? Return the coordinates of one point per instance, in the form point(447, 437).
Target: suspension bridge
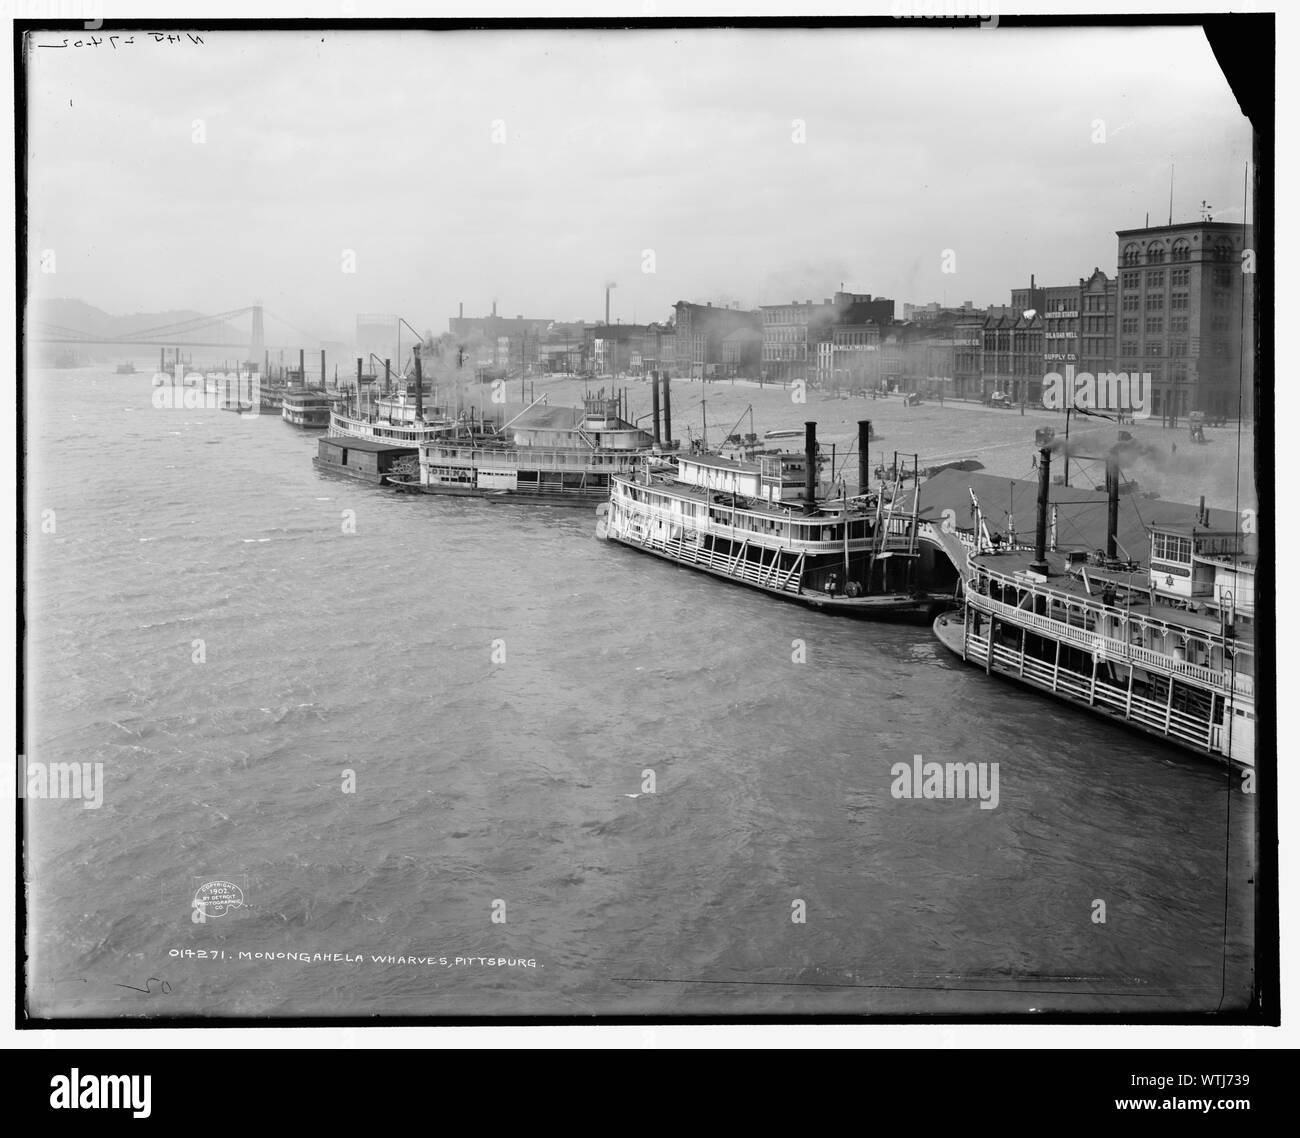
point(222, 330)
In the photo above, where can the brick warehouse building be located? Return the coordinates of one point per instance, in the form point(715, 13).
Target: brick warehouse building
point(1186, 316)
point(699, 331)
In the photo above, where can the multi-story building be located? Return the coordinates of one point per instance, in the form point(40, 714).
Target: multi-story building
point(1098, 306)
point(1186, 315)
point(699, 332)
point(850, 359)
point(742, 352)
point(793, 333)
point(501, 342)
point(968, 357)
point(1013, 356)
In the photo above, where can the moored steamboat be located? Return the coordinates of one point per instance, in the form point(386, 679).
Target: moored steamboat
point(1167, 647)
point(758, 521)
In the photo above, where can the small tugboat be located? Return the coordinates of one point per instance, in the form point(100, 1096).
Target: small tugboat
point(761, 524)
point(1167, 647)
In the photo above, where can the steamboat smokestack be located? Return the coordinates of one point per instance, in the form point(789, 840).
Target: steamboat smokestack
point(359, 361)
point(607, 306)
point(1112, 505)
point(654, 405)
point(668, 410)
point(302, 366)
point(419, 386)
point(810, 466)
point(322, 372)
point(1039, 563)
point(864, 469)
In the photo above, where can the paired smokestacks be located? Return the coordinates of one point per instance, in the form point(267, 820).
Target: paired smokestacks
point(1039, 563)
point(419, 385)
point(864, 467)
point(810, 466)
point(1112, 505)
point(654, 405)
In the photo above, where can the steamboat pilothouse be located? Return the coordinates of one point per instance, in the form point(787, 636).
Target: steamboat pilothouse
point(1167, 647)
point(759, 521)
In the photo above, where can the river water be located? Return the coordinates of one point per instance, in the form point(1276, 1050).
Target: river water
point(424, 736)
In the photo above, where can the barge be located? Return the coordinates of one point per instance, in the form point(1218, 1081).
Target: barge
point(369, 460)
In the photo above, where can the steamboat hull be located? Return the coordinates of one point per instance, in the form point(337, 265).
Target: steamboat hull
point(1082, 692)
point(896, 608)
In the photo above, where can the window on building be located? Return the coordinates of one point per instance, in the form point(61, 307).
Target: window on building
point(1155, 324)
point(1132, 255)
point(1155, 253)
point(1180, 373)
point(1131, 279)
point(1179, 277)
point(1223, 250)
point(1223, 278)
point(1181, 251)
point(1156, 279)
point(1178, 347)
point(1155, 303)
point(1131, 303)
point(1129, 348)
point(1155, 348)
point(1178, 324)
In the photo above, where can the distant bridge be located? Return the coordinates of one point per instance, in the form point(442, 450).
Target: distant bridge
point(197, 332)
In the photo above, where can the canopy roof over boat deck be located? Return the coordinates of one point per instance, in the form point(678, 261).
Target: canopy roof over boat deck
point(1081, 513)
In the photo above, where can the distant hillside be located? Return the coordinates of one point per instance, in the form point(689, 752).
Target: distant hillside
point(78, 316)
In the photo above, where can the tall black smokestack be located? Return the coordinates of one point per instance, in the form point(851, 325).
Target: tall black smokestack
point(1039, 563)
point(302, 367)
point(668, 410)
point(419, 387)
point(864, 440)
point(322, 372)
point(654, 404)
point(607, 306)
point(810, 465)
point(1112, 505)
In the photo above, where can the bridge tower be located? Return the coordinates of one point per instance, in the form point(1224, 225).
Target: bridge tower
point(258, 349)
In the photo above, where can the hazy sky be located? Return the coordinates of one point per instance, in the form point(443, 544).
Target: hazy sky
point(611, 144)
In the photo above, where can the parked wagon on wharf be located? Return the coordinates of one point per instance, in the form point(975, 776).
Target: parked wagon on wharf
point(1166, 647)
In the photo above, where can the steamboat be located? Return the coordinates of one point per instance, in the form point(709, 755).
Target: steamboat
point(399, 418)
point(553, 456)
point(758, 521)
point(1166, 647)
point(306, 409)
